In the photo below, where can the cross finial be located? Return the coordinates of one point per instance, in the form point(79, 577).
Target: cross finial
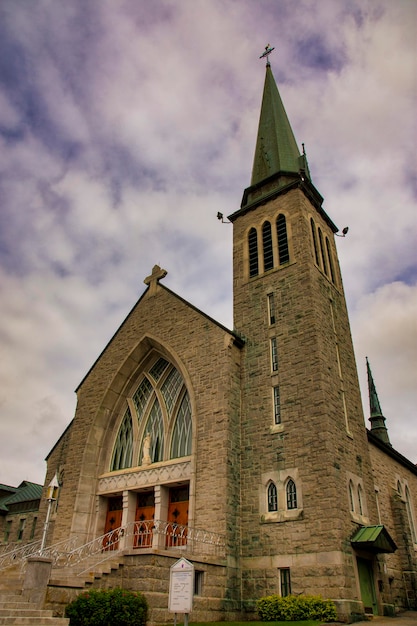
point(267, 52)
point(154, 278)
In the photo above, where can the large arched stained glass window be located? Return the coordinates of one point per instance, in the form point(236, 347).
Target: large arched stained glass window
point(160, 405)
point(181, 437)
point(155, 430)
point(122, 454)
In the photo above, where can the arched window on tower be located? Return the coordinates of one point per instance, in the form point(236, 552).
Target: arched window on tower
point(323, 254)
point(283, 250)
point(314, 237)
point(267, 246)
point(272, 497)
point(291, 492)
point(253, 252)
point(329, 256)
point(122, 453)
point(410, 515)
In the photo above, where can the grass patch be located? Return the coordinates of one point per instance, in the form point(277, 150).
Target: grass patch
point(308, 622)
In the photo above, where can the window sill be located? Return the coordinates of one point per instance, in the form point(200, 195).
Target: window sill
point(359, 519)
point(276, 428)
point(282, 516)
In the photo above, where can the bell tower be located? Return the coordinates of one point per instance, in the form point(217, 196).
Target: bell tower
point(306, 478)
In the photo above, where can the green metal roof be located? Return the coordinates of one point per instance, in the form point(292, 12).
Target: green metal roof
point(25, 492)
point(276, 148)
point(374, 539)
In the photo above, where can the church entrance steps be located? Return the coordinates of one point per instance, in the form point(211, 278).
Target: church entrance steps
point(85, 572)
point(18, 611)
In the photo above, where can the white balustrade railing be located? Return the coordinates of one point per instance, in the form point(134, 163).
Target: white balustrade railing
point(18, 554)
point(135, 535)
point(146, 534)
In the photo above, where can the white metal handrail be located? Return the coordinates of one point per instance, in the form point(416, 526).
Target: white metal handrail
point(135, 535)
point(145, 534)
point(18, 554)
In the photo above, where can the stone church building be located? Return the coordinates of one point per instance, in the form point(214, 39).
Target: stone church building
point(244, 450)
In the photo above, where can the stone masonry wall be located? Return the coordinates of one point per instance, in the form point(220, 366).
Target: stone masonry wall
point(399, 568)
point(318, 442)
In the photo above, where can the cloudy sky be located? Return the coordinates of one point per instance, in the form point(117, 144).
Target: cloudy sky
point(125, 125)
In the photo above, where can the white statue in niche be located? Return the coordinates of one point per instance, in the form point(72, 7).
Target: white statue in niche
point(146, 458)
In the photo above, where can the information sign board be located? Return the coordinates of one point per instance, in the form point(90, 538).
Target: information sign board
point(181, 587)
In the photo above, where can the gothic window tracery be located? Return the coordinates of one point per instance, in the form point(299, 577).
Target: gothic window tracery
point(122, 454)
point(163, 425)
point(181, 437)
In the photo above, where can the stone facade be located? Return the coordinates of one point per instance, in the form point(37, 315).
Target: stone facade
point(250, 443)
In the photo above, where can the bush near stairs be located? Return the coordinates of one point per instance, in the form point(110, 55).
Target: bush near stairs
point(108, 606)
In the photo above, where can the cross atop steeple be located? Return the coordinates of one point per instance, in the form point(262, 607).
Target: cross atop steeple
point(267, 52)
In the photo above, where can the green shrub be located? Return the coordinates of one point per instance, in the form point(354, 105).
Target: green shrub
point(107, 607)
point(293, 608)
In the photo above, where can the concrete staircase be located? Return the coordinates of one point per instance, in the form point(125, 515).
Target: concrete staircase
point(15, 609)
point(84, 574)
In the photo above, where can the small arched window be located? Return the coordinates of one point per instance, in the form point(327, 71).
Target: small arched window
point(283, 250)
point(314, 237)
point(122, 454)
point(291, 492)
point(272, 497)
point(253, 252)
point(351, 497)
point(267, 246)
point(410, 515)
point(360, 500)
point(399, 489)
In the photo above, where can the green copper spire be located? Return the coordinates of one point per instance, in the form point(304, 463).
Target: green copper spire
point(278, 165)
point(276, 147)
point(377, 420)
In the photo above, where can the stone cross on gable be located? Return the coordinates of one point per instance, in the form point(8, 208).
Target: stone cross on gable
point(154, 278)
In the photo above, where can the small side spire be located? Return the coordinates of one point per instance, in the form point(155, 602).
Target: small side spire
point(377, 419)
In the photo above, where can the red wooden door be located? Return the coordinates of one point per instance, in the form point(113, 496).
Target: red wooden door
point(113, 523)
point(145, 515)
point(177, 516)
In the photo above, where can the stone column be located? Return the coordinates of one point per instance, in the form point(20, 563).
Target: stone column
point(128, 517)
point(161, 514)
point(38, 572)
